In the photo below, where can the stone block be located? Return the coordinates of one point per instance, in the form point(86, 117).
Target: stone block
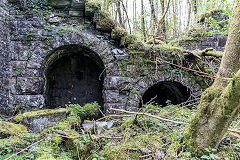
point(78, 4)
point(29, 85)
point(17, 68)
point(120, 83)
point(107, 107)
point(111, 96)
point(99, 126)
point(35, 121)
point(60, 3)
point(90, 8)
point(28, 101)
point(76, 13)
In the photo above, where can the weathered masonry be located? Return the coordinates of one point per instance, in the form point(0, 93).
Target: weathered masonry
point(73, 53)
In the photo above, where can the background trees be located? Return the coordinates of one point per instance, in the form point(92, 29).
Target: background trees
point(165, 19)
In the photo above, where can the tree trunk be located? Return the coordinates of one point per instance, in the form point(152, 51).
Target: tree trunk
point(120, 14)
point(195, 4)
point(161, 30)
point(189, 13)
point(153, 15)
point(125, 10)
point(220, 103)
point(134, 17)
point(174, 6)
point(143, 21)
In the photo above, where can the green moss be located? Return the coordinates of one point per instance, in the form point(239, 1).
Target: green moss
point(212, 53)
point(169, 48)
point(38, 113)
point(132, 42)
point(104, 21)
point(92, 4)
point(131, 148)
point(128, 40)
point(11, 142)
point(9, 145)
point(207, 14)
point(173, 150)
point(11, 129)
point(81, 147)
point(89, 110)
point(46, 156)
point(127, 123)
point(118, 33)
point(136, 52)
point(18, 118)
point(91, 8)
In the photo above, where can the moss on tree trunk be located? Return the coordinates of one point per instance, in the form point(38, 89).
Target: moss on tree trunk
point(219, 104)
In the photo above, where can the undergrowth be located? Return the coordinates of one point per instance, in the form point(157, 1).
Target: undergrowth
point(133, 137)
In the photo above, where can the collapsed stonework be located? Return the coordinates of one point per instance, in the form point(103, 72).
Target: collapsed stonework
point(71, 55)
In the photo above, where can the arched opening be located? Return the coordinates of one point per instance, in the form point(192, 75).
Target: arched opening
point(166, 90)
point(73, 77)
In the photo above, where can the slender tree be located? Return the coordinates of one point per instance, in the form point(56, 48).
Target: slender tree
point(174, 6)
point(189, 13)
point(153, 15)
point(161, 30)
point(125, 11)
point(118, 4)
point(143, 29)
point(220, 103)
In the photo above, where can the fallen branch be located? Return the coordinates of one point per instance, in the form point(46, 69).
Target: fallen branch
point(145, 156)
point(160, 118)
point(108, 137)
point(158, 59)
point(113, 115)
point(204, 52)
point(96, 137)
point(24, 149)
point(149, 115)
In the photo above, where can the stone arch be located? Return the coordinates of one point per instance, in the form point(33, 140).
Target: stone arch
point(144, 83)
point(73, 74)
point(164, 91)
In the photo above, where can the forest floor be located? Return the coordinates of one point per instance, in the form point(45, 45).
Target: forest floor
point(130, 137)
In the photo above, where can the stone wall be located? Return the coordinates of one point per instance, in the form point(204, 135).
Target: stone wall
point(4, 41)
point(37, 40)
point(216, 41)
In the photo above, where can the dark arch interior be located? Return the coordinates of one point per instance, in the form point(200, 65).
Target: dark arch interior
point(166, 90)
point(74, 78)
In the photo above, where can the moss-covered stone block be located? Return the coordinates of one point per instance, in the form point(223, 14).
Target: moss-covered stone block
point(104, 21)
point(41, 119)
point(128, 40)
point(118, 33)
point(11, 129)
point(132, 42)
point(91, 7)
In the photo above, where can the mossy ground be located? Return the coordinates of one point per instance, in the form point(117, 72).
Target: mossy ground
point(141, 137)
point(11, 129)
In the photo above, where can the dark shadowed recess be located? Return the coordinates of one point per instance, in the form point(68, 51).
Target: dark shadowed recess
point(166, 90)
point(74, 78)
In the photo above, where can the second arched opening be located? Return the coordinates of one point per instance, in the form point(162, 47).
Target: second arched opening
point(164, 91)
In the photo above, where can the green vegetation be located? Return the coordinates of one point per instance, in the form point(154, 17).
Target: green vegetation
point(11, 129)
point(139, 136)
